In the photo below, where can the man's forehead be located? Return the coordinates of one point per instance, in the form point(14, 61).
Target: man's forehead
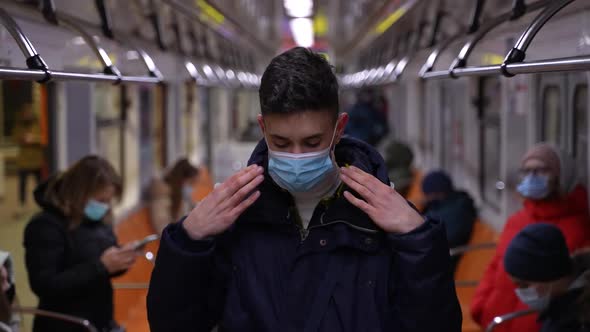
point(308, 121)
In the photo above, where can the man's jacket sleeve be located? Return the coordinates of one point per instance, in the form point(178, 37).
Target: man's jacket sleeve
point(187, 288)
point(423, 289)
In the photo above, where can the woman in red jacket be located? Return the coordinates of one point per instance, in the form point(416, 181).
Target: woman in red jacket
point(552, 195)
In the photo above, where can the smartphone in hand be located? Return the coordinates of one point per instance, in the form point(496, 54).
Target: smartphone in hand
point(140, 244)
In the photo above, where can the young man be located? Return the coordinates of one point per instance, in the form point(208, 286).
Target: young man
point(309, 237)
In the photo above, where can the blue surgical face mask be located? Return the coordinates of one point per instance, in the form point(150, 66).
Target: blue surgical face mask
point(312, 172)
point(187, 192)
point(95, 210)
point(534, 186)
point(531, 297)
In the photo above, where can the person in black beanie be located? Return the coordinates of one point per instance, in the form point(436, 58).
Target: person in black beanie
point(549, 280)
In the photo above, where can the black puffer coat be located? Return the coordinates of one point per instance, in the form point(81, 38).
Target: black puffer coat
point(65, 270)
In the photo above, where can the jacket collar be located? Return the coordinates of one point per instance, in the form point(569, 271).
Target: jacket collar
point(273, 205)
point(574, 203)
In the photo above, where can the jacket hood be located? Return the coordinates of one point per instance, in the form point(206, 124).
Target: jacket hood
point(275, 204)
point(41, 192)
point(571, 204)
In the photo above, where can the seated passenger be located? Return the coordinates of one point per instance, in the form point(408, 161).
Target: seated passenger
point(453, 207)
point(552, 194)
point(549, 280)
point(172, 197)
point(399, 158)
point(8, 321)
point(71, 252)
point(299, 242)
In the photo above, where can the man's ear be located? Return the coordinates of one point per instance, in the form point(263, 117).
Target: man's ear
point(261, 123)
point(340, 125)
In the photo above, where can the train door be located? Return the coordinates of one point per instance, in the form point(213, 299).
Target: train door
point(453, 104)
point(489, 104)
point(578, 106)
point(553, 117)
point(431, 128)
point(563, 117)
point(190, 124)
point(108, 106)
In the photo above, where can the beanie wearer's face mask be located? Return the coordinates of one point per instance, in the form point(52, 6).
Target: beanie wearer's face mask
point(534, 186)
point(531, 297)
point(310, 172)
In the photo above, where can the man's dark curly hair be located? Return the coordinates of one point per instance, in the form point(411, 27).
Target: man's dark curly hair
point(298, 80)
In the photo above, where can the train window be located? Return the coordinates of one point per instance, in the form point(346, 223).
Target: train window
point(580, 105)
point(491, 141)
point(551, 114)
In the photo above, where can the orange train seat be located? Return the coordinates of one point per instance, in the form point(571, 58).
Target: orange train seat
point(130, 289)
point(415, 195)
point(471, 268)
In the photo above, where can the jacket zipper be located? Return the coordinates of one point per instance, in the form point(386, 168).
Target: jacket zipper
point(304, 232)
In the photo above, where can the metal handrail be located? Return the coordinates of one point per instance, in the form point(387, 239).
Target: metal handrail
point(513, 63)
point(401, 66)
point(33, 59)
point(433, 56)
point(508, 317)
point(101, 54)
point(108, 31)
point(39, 75)
point(467, 49)
point(39, 71)
point(63, 317)
point(580, 63)
point(518, 52)
point(472, 247)
point(149, 63)
point(20, 38)
point(436, 75)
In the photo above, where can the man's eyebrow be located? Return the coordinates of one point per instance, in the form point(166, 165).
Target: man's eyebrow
point(316, 136)
point(278, 137)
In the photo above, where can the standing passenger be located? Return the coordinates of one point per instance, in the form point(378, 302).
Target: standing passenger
point(71, 251)
point(172, 197)
point(309, 237)
point(551, 194)
point(30, 155)
point(181, 179)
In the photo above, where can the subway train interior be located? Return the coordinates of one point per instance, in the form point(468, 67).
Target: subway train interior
point(468, 85)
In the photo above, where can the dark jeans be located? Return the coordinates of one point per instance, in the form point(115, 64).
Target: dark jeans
point(22, 182)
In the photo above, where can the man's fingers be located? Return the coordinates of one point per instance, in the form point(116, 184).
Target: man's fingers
point(237, 181)
point(238, 210)
point(359, 203)
point(239, 196)
point(365, 192)
point(361, 176)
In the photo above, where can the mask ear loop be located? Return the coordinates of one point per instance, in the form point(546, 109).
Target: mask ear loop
point(332, 148)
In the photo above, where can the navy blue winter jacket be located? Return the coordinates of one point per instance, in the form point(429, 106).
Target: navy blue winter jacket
point(344, 274)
